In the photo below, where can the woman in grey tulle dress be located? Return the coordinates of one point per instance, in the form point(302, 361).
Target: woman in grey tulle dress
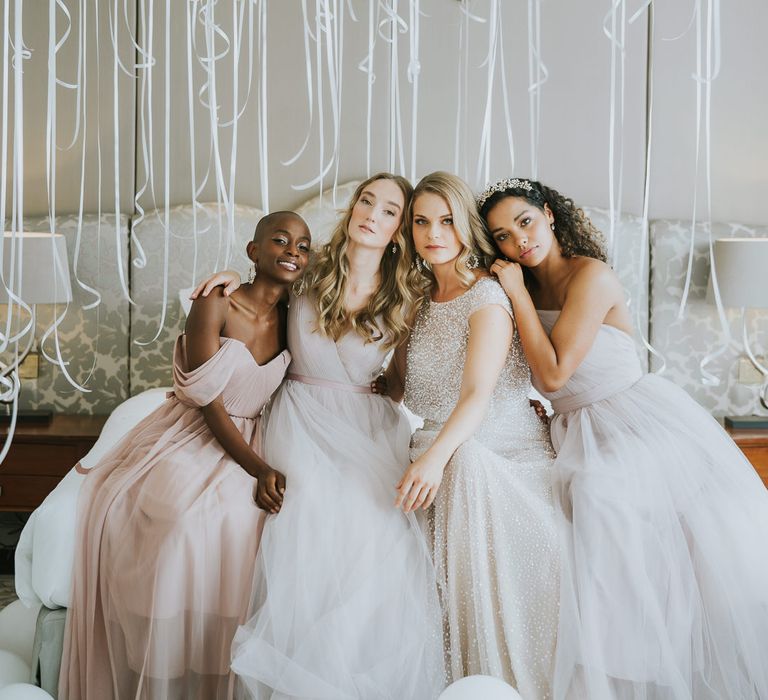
point(482, 457)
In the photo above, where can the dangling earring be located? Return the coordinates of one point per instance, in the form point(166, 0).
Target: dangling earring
point(298, 287)
point(394, 249)
point(252, 273)
point(552, 226)
point(473, 261)
point(418, 263)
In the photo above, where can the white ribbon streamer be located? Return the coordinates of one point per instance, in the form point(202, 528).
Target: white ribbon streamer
point(642, 278)
point(414, 69)
point(537, 76)
point(709, 38)
point(484, 160)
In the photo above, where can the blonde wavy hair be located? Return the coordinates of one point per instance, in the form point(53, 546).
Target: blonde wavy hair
point(467, 223)
point(389, 311)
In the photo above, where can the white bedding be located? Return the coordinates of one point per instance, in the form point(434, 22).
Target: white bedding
point(45, 552)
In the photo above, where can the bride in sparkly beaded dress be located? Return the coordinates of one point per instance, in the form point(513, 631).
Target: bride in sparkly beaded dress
point(492, 527)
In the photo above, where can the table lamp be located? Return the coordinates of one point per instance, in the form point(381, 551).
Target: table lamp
point(742, 279)
point(44, 280)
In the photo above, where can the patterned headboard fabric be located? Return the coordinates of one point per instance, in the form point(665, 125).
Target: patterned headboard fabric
point(114, 350)
point(684, 342)
point(94, 342)
point(150, 356)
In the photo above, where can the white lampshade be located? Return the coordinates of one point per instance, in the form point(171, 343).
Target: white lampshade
point(742, 272)
point(43, 279)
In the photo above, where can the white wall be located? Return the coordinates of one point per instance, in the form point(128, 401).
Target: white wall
point(574, 123)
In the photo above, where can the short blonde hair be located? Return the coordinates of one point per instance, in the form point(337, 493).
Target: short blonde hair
point(466, 222)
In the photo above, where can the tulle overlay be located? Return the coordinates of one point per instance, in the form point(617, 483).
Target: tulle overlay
point(665, 586)
point(344, 597)
point(167, 539)
point(492, 527)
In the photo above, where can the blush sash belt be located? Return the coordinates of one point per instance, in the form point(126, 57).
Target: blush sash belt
point(566, 404)
point(316, 381)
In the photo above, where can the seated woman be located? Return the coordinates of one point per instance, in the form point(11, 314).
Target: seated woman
point(482, 458)
point(345, 604)
point(167, 526)
point(665, 587)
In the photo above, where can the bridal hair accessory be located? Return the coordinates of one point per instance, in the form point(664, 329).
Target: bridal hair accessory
point(501, 185)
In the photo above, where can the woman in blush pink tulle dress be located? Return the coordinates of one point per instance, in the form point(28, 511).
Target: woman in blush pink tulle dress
point(168, 530)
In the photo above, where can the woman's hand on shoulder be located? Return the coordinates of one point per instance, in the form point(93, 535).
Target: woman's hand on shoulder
point(229, 279)
point(419, 485)
point(510, 276)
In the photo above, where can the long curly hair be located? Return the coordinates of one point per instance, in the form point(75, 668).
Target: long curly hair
point(388, 312)
point(467, 223)
point(574, 231)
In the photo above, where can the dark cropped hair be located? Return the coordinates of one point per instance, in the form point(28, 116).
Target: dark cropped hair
point(575, 233)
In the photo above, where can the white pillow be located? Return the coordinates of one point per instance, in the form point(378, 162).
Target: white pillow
point(45, 553)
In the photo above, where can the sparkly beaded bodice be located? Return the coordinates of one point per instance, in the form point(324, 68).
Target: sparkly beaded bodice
point(436, 354)
point(491, 527)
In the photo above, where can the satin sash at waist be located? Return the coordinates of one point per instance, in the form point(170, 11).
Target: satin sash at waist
point(317, 381)
point(566, 404)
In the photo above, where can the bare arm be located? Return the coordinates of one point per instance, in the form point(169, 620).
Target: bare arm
point(203, 329)
point(490, 335)
point(591, 294)
point(229, 279)
point(395, 374)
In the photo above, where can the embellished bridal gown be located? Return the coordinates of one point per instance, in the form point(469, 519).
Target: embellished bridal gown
point(492, 525)
point(345, 604)
point(665, 523)
point(167, 539)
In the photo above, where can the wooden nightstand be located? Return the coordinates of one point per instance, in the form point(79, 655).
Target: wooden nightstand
point(41, 455)
point(754, 444)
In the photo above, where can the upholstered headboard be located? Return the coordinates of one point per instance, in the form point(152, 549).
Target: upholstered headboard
point(107, 339)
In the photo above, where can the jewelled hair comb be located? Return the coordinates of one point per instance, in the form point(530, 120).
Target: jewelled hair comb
point(500, 186)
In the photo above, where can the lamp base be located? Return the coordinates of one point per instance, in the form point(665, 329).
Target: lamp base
point(746, 422)
point(27, 418)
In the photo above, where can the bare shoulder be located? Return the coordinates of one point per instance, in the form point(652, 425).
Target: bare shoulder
point(210, 308)
point(595, 275)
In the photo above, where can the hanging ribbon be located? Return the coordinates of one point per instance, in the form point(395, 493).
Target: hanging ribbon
point(617, 37)
point(462, 90)
point(537, 76)
point(642, 278)
point(166, 169)
point(9, 378)
point(707, 53)
point(367, 66)
point(484, 160)
point(307, 32)
point(82, 61)
point(389, 29)
point(59, 270)
point(414, 69)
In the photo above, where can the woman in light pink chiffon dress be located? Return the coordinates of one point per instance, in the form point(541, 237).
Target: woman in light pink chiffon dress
point(168, 530)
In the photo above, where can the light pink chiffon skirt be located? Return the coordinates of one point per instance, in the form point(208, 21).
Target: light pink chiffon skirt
point(168, 535)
